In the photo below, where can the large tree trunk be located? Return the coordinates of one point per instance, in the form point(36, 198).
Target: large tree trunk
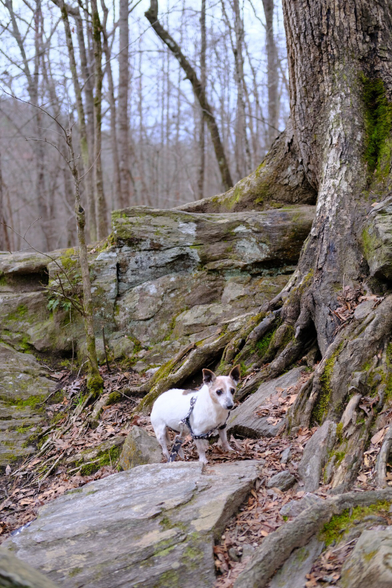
point(338, 145)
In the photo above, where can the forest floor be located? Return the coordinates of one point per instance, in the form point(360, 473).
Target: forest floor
point(51, 471)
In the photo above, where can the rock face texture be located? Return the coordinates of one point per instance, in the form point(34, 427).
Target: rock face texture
point(163, 280)
point(14, 573)
point(155, 524)
point(316, 455)
point(293, 572)
point(244, 420)
point(370, 564)
point(377, 240)
point(139, 448)
point(24, 384)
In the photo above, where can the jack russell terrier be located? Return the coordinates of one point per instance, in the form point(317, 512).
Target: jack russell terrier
point(200, 412)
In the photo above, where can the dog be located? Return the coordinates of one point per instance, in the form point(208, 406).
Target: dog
point(208, 411)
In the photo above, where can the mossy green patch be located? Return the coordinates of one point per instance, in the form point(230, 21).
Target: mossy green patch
point(74, 572)
point(333, 531)
point(105, 458)
point(378, 126)
point(322, 403)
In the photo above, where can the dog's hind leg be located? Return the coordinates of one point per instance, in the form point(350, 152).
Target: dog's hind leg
point(163, 438)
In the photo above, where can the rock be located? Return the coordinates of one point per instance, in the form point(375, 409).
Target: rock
point(370, 564)
point(363, 309)
point(105, 453)
point(293, 572)
point(283, 481)
point(170, 278)
point(24, 385)
point(286, 455)
point(377, 240)
point(295, 507)
point(315, 455)
point(15, 573)
point(244, 421)
point(154, 525)
point(139, 448)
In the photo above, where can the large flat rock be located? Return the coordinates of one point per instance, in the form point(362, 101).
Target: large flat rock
point(152, 526)
point(244, 420)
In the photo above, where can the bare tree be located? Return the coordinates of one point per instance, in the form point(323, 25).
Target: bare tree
point(203, 78)
point(272, 71)
point(152, 17)
point(123, 119)
point(4, 237)
point(100, 202)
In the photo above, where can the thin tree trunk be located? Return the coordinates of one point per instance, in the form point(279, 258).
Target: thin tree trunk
point(100, 202)
point(88, 88)
point(81, 118)
point(203, 77)
point(243, 158)
point(4, 238)
point(123, 119)
point(152, 17)
point(112, 105)
point(272, 72)
point(94, 382)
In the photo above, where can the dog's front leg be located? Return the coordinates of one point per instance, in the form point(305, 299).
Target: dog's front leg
point(201, 447)
point(224, 441)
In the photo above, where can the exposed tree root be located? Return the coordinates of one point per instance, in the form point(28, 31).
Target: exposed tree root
point(180, 369)
point(381, 464)
point(277, 547)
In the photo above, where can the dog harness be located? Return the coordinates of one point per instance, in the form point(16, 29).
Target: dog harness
point(178, 441)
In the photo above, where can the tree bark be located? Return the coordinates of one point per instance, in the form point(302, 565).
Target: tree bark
point(84, 144)
point(113, 110)
point(123, 118)
point(272, 72)
point(152, 17)
point(88, 87)
point(337, 145)
point(242, 150)
point(100, 202)
point(203, 78)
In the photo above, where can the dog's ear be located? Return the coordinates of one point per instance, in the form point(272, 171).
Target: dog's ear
point(235, 374)
point(208, 376)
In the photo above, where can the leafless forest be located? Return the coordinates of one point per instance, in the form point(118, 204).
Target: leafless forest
point(166, 104)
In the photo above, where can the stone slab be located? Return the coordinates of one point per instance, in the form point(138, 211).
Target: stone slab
point(293, 573)
point(244, 421)
point(153, 526)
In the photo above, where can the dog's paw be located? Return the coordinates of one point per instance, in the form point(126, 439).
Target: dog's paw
point(227, 448)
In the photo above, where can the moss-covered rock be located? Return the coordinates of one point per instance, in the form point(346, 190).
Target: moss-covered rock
point(24, 385)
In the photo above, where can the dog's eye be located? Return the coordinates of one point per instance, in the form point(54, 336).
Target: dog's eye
point(232, 390)
point(219, 392)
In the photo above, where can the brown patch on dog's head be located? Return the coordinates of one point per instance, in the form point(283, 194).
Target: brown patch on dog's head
point(235, 374)
point(208, 376)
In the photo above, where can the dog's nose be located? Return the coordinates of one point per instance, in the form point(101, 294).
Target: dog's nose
point(229, 406)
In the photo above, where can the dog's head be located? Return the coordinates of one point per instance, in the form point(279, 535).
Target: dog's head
point(222, 388)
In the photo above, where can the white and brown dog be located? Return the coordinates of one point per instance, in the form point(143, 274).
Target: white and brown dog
point(208, 411)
